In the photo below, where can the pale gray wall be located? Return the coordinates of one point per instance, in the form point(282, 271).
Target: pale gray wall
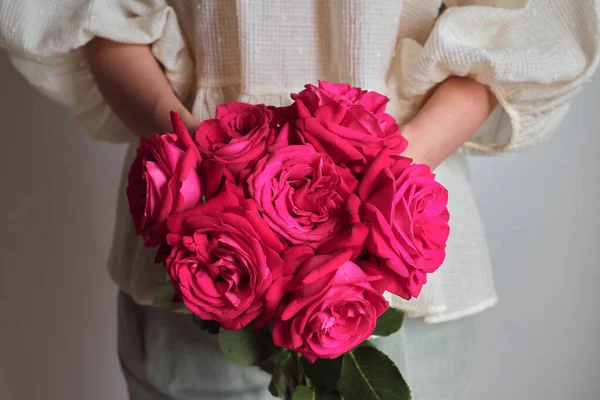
point(542, 213)
point(57, 305)
point(57, 326)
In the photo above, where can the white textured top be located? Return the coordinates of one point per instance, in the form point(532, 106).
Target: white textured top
point(535, 55)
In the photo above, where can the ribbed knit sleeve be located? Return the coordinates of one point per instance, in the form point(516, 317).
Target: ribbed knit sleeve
point(44, 41)
point(534, 55)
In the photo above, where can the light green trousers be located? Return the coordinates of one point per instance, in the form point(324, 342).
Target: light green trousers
point(164, 356)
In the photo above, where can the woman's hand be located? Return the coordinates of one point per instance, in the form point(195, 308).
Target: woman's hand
point(134, 85)
point(453, 113)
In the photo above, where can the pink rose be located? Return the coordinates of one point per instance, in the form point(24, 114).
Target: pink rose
point(403, 286)
point(331, 307)
point(284, 115)
point(301, 193)
point(347, 123)
point(163, 180)
point(408, 217)
point(238, 136)
point(354, 235)
point(225, 262)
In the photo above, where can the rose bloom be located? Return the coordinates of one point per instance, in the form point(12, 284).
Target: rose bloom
point(301, 193)
point(404, 286)
point(225, 262)
point(354, 234)
point(331, 307)
point(238, 136)
point(347, 123)
point(163, 180)
point(406, 210)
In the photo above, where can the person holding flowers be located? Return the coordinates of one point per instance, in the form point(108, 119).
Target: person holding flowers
point(311, 213)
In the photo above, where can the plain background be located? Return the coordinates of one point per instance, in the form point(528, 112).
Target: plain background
point(57, 305)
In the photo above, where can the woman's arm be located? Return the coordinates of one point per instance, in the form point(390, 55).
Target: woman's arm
point(134, 85)
point(452, 114)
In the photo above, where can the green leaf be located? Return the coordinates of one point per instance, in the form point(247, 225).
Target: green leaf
point(304, 393)
point(367, 343)
point(323, 374)
point(389, 322)
point(163, 297)
point(209, 326)
point(285, 374)
point(309, 393)
point(270, 363)
point(278, 386)
point(277, 358)
point(368, 374)
point(246, 346)
point(329, 396)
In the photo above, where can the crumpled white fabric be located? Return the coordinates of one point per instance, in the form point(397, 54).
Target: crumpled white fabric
point(45, 38)
point(534, 55)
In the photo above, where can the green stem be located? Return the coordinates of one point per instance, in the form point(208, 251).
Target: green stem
point(307, 381)
point(302, 378)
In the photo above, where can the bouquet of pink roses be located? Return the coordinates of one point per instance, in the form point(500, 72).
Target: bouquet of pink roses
point(281, 228)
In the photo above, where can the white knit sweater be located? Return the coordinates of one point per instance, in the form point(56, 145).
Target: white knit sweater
point(535, 55)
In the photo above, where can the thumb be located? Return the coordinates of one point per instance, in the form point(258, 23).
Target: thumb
point(169, 104)
point(190, 121)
